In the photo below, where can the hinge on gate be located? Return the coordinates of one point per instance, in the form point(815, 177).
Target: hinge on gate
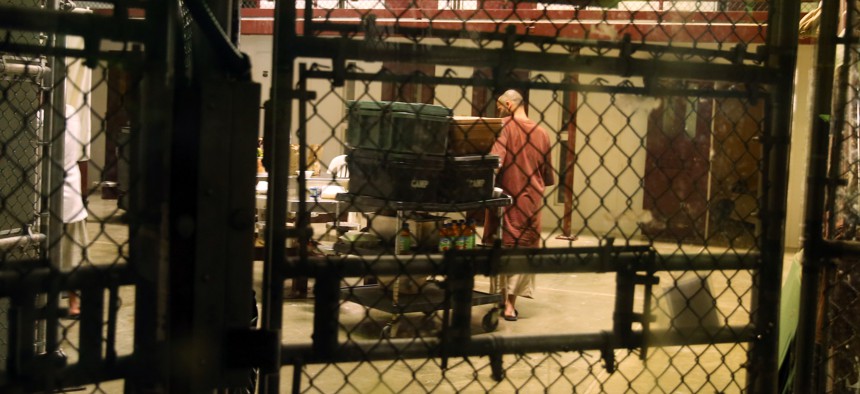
point(649, 83)
point(753, 91)
point(836, 182)
point(338, 63)
point(625, 56)
point(738, 54)
point(306, 95)
point(606, 248)
point(338, 67)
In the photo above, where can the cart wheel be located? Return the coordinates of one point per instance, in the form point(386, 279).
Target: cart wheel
point(386, 332)
point(490, 321)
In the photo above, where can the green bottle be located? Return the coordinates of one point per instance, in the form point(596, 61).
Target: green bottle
point(404, 242)
point(459, 237)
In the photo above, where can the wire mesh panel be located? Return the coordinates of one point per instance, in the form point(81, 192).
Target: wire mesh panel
point(453, 196)
point(627, 133)
point(619, 139)
point(21, 178)
point(22, 132)
point(836, 367)
point(66, 297)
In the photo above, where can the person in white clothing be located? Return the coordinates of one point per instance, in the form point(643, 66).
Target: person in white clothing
point(75, 238)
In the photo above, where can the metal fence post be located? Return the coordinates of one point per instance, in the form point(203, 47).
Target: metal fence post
point(782, 53)
point(278, 149)
point(813, 247)
point(149, 164)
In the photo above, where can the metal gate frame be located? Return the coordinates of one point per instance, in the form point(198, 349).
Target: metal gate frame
point(773, 79)
point(149, 268)
point(821, 247)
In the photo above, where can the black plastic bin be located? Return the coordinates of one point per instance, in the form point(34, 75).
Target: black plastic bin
point(468, 178)
point(394, 176)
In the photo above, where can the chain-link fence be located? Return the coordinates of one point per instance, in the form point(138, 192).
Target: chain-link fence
point(627, 156)
point(66, 309)
point(742, 6)
point(451, 196)
point(835, 298)
point(630, 156)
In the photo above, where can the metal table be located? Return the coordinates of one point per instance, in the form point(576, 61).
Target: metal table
point(318, 205)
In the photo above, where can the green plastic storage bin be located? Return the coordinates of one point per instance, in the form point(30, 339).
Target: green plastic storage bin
point(414, 133)
point(366, 125)
point(398, 127)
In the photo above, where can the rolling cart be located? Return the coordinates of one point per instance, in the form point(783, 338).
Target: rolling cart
point(432, 296)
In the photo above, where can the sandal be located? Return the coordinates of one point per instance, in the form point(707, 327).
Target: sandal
point(511, 318)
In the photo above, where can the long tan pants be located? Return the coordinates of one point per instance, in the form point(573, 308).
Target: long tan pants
point(521, 285)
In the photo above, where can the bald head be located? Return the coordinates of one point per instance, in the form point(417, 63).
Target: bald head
point(510, 103)
point(511, 95)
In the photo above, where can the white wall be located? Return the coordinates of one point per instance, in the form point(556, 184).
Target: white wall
point(611, 162)
point(799, 154)
point(610, 158)
point(458, 98)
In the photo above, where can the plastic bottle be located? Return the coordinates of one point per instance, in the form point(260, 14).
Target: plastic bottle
point(469, 233)
point(404, 242)
point(444, 237)
point(464, 233)
point(459, 239)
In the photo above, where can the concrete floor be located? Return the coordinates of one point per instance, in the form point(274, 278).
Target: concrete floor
point(563, 303)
